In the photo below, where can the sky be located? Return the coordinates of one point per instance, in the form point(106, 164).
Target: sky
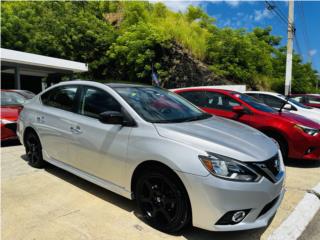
point(250, 14)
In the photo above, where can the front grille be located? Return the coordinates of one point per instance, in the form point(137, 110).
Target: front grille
point(271, 168)
point(268, 206)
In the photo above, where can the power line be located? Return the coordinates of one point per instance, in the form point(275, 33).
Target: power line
point(277, 11)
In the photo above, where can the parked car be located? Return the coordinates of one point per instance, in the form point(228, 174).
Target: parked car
point(298, 137)
point(312, 100)
point(280, 102)
point(180, 164)
point(11, 105)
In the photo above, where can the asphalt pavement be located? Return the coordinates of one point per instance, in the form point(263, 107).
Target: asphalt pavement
point(54, 204)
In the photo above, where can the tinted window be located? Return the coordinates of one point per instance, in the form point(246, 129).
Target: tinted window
point(157, 105)
point(256, 96)
point(220, 101)
point(198, 98)
point(313, 100)
point(253, 102)
point(60, 97)
point(273, 101)
point(298, 99)
point(96, 101)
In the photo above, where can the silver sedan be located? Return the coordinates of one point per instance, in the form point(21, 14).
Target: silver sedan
point(181, 165)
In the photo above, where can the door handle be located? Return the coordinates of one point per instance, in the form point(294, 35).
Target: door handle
point(75, 130)
point(40, 119)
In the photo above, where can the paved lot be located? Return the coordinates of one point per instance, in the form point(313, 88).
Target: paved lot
point(53, 204)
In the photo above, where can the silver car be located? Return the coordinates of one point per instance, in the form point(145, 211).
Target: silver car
point(181, 165)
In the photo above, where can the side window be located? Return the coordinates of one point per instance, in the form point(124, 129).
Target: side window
point(273, 101)
point(220, 101)
point(96, 101)
point(313, 100)
point(298, 99)
point(198, 98)
point(256, 96)
point(60, 97)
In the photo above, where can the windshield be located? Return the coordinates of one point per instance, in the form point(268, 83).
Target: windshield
point(290, 100)
point(157, 105)
point(253, 102)
point(11, 99)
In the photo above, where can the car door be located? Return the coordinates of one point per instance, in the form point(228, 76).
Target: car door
point(99, 149)
point(58, 105)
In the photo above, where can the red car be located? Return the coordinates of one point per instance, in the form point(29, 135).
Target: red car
point(298, 137)
point(11, 105)
point(311, 100)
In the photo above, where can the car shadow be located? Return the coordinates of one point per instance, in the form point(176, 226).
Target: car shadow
point(10, 143)
point(91, 188)
point(200, 234)
point(191, 233)
point(302, 163)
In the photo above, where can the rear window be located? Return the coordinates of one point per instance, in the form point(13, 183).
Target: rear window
point(11, 99)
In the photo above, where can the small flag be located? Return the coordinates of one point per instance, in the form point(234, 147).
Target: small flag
point(155, 78)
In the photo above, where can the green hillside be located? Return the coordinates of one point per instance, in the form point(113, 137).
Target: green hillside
point(122, 41)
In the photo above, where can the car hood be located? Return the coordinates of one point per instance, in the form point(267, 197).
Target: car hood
point(298, 119)
point(221, 136)
point(10, 112)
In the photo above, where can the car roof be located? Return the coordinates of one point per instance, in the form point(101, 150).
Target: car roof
point(123, 85)
point(279, 95)
point(202, 88)
point(111, 85)
point(94, 83)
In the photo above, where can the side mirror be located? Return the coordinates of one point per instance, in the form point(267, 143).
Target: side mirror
point(238, 109)
point(288, 106)
point(111, 117)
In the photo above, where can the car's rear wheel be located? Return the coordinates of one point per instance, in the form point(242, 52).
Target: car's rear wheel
point(34, 150)
point(162, 201)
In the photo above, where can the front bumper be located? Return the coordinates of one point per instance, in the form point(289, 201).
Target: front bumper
point(8, 131)
point(211, 198)
point(304, 147)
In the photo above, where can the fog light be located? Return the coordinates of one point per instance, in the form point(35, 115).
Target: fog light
point(233, 217)
point(311, 149)
point(238, 216)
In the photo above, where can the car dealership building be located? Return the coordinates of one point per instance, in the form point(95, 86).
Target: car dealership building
point(33, 72)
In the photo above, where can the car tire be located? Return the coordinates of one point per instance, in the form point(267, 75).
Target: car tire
point(34, 150)
point(162, 200)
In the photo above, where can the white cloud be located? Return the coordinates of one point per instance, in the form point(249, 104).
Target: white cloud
point(312, 52)
point(178, 5)
point(259, 15)
point(233, 3)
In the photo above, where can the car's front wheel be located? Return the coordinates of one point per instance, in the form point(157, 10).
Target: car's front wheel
point(34, 150)
point(162, 200)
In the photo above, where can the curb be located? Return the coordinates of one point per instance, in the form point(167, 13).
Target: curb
point(298, 220)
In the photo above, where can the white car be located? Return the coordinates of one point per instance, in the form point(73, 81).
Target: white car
point(181, 165)
point(277, 101)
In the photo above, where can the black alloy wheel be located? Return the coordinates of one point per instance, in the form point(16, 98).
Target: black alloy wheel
point(34, 150)
point(163, 202)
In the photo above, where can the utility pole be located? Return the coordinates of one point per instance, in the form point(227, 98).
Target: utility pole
point(291, 29)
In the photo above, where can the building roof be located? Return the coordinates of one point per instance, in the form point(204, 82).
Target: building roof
point(37, 65)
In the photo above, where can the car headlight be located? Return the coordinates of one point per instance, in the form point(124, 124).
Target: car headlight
point(5, 121)
point(307, 130)
point(228, 168)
